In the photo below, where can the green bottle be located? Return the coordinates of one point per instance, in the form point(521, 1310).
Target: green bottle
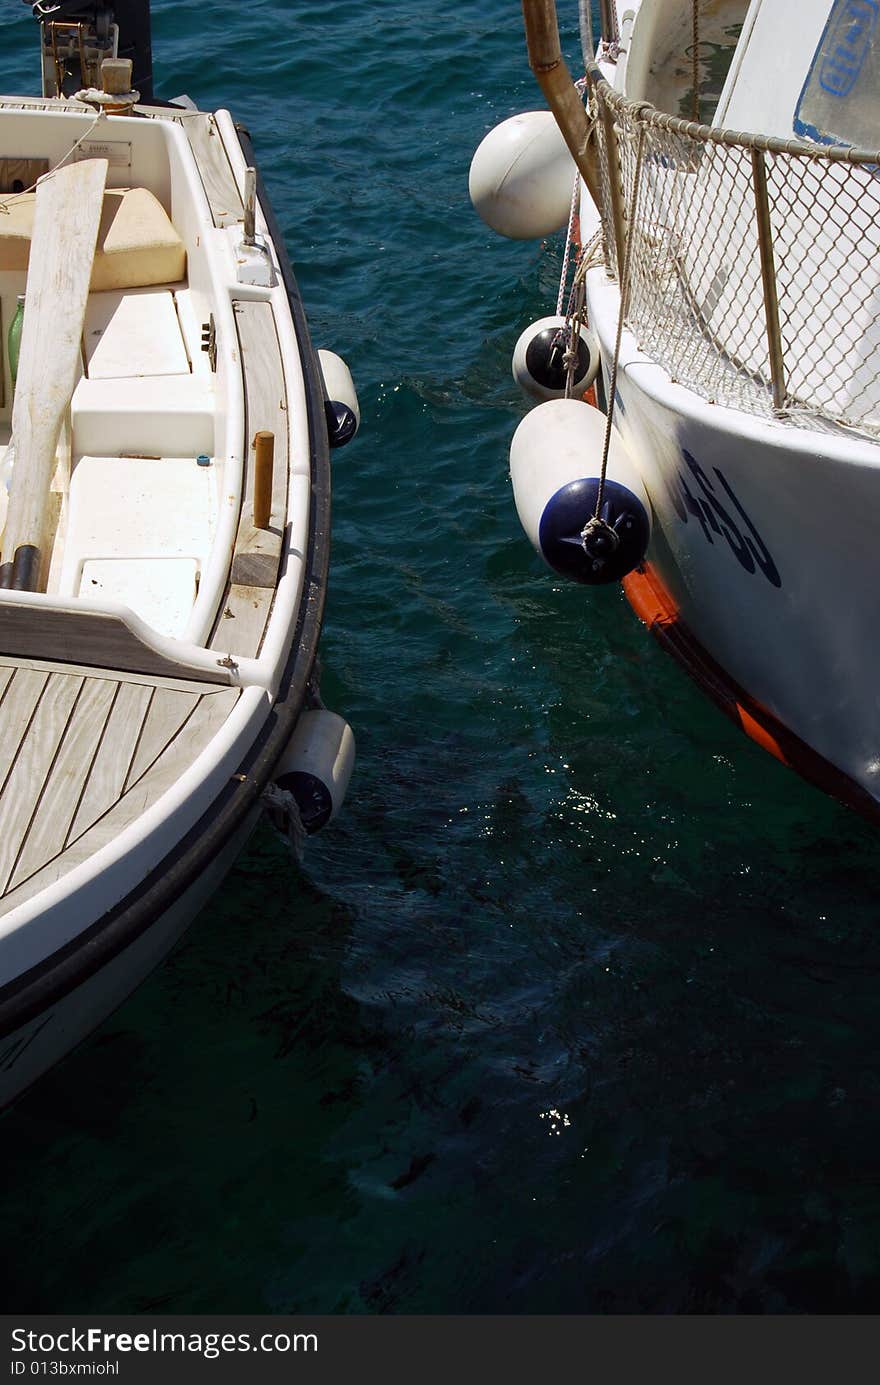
point(14, 340)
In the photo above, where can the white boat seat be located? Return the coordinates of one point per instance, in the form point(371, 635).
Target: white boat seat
point(161, 591)
point(133, 332)
point(142, 416)
point(137, 244)
point(139, 530)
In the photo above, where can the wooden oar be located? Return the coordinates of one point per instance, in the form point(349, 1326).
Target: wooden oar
point(66, 221)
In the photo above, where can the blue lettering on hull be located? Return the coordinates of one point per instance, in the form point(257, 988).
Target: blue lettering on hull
point(722, 516)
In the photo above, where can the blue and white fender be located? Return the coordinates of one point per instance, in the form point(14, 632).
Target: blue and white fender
point(317, 766)
point(555, 465)
point(342, 408)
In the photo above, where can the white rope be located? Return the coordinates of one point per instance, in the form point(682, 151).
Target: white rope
point(284, 815)
point(563, 280)
point(107, 101)
point(624, 295)
point(6, 202)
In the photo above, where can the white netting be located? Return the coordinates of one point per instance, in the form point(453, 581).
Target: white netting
point(698, 301)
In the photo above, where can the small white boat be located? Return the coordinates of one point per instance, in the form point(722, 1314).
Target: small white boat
point(165, 427)
point(729, 284)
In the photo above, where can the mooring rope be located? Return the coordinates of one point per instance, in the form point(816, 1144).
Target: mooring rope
point(563, 278)
point(596, 524)
point(283, 813)
point(696, 59)
point(576, 312)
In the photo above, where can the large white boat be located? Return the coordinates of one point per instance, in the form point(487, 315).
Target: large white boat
point(165, 427)
point(726, 266)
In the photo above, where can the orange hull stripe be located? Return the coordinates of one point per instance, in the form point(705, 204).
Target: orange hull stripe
point(656, 608)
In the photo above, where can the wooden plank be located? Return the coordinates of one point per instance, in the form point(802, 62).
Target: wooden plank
point(242, 625)
point(66, 221)
point(213, 710)
point(257, 556)
point(168, 712)
point(112, 762)
point(24, 786)
point(6, 674)
point(206, 721)
point(94, 637)
point(19, 705)
point(8, 665)
point(215, 170)
point(67, 779)
point(265, 395)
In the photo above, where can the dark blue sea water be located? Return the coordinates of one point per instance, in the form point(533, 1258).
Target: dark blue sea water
point(576, 1007)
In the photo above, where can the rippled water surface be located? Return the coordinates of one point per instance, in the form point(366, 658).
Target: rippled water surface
point(576, 1007)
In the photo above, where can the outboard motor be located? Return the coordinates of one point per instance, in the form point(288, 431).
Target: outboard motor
point(77, 36)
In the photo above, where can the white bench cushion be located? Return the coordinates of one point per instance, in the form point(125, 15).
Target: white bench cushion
point(137, 244)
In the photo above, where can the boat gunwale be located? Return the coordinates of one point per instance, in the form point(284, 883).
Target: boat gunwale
point(57, 975)
point(647, 113)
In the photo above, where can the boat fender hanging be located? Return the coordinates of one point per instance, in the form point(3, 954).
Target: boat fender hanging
point(341, 405)
point(539, 360)
point(317, 765)
point(555, 466)
point(521, 177)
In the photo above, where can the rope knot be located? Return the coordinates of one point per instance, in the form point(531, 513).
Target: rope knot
point(600, 541)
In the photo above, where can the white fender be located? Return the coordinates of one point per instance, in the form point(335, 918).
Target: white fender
point(555, 464)
point(317, 766)
point(536, 375)
point(522, 177)
point(338, 382)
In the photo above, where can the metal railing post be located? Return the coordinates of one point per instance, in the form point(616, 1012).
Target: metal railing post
point(768, 277)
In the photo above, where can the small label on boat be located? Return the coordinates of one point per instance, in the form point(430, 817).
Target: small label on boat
point(116, 152)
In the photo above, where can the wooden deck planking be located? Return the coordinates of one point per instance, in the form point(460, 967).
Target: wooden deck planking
point(23, 788)
point(20, 704)
point(257, 556)
point(203, 724)
point(113, 675)
point(5, 680)
point(209, 716)
point(242, 625)
point(215, 170)
point(167, 713)
point(113, 757)
point(67, 778)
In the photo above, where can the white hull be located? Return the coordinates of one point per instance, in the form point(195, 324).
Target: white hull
point(165, 546)
point(37, 1045)
point(736, 214)
point(774, 578)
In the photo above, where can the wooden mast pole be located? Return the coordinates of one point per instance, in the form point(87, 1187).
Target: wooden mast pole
point(554, 79)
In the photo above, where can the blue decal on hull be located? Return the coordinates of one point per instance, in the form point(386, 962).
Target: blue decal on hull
point(715, 518)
